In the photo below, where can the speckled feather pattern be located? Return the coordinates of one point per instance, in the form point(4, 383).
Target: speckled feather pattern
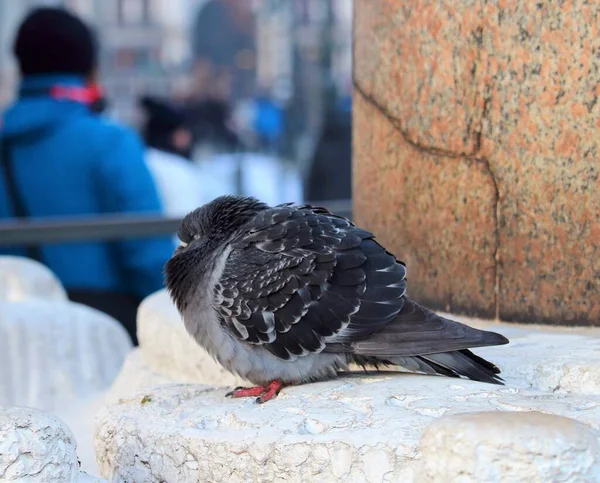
point(296, 293)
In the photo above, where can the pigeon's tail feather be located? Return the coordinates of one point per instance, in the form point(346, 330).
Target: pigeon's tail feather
point(450, 364)
point(464, 363)
point(419, 339)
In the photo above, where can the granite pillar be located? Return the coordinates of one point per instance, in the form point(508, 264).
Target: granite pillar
point(476, 141)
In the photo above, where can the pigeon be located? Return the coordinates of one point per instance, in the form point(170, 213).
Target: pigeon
point(293, 294)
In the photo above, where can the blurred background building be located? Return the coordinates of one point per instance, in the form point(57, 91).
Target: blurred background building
point(281, 68)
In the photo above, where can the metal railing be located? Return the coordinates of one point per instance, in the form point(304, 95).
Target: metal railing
point(104, 227)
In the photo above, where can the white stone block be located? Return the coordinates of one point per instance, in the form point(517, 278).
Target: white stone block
point(55, 355)
point(55, 352)
point(134, 377)
point(37, 447)
point(551, 359)
point(354, 429)
point(23, 278)
point(517, 447)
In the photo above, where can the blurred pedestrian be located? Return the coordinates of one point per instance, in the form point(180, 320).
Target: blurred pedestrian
point(169, 146)
point(330, 175)
point(224, 50)
point(268, 123)
point(61, 158)
point(210, 123)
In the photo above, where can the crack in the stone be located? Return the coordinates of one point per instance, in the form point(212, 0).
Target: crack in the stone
point(487, 100)
point(403, 132)
point(396, 123)
point(496, 217)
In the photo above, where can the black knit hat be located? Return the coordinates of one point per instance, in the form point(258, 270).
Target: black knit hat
point(54, 41)
point(162, 120)
point(160, 114)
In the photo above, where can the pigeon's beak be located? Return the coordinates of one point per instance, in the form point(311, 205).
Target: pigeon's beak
point(183, 246)
point(197, 249)
point(192, 245)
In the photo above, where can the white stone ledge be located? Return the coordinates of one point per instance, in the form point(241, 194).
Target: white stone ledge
point(553, 359)
point(55, 355)
point(352, 429)
point(357, 428)
point(136, 376)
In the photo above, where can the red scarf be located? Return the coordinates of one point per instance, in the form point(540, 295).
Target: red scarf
point(86, 95)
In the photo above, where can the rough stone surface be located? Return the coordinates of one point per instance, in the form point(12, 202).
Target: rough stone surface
point(356, 428)
point(508, 92)
point(557, 362)
point(52, 353)
point(136, 376)
point(494, 447)
point(22, 278)
point(37, 447)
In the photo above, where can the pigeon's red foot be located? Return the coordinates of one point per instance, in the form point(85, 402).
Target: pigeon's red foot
point(265, 393)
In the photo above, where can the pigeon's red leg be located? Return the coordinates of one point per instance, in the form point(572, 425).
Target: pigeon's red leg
point(247, 391)
point(265, 392)
point(272, 390)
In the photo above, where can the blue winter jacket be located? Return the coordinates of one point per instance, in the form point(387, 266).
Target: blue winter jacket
point(70, 162)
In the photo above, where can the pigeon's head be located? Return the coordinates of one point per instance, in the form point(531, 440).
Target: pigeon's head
point(218, 221)
point(204, 234)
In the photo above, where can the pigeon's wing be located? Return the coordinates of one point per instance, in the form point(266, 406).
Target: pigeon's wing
point(299, 276)
point(417, 330)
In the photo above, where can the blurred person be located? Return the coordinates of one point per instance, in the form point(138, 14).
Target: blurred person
point(211, 125)
point(330, 175)
point(59, 158)
point(228, 113)
point(223, 45)
point(268, 123)
point(168, 153)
